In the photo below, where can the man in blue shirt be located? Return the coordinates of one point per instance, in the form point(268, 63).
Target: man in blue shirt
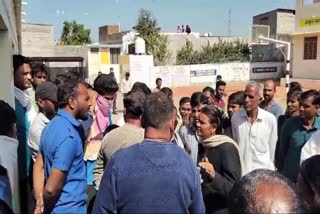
point(295, 132)
point(268, 103)
point(62, 153)
point(154, 176)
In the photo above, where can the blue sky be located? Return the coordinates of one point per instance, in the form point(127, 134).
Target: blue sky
point(202, 15)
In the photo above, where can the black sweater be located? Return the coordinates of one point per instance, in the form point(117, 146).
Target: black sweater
point(226, 162)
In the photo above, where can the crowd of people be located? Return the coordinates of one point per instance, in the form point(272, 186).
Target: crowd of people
point(62, 153)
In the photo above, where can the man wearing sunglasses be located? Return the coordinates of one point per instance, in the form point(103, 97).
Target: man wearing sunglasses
point(255, 130)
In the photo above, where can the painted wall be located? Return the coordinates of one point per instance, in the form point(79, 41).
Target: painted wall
point(9, 45)
point(307, 11)
point(305, 69)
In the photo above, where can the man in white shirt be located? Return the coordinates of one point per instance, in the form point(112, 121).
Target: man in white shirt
point(126, 84)
point(46, 98)
point(311, 148)
point(256, 131)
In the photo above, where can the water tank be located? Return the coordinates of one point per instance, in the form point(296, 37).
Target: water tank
point(140, 46)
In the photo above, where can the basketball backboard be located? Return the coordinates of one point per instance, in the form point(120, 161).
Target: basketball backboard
point(259, 30)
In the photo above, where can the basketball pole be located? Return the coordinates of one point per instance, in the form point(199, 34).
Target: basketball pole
point(288, 57)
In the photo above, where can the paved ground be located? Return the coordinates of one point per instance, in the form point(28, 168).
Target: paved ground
point(187, 91)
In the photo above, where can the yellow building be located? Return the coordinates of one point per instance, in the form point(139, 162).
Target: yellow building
point(306, 52)
point(10, 34)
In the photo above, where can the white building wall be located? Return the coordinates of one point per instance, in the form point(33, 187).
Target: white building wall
point(9, 45)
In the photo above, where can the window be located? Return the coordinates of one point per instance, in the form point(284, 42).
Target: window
point(115, 53)
point(310, 47)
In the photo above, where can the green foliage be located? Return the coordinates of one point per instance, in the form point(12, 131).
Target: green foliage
point(156, 44)
point(216, 53)
point(75, 34)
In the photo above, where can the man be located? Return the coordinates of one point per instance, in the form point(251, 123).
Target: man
point(8, 153)
point(128, 134)
point(268, 103)
point(154, 176)
point(106, 87)
point(220, 88)
point(188, 132)
point(61, 154)
point(255, 130)
point(39, 75)
point(126, 84)
point(235, 104)
point(158, 87)
point(25, 115)
point(114, 111)
point(184, 112)
point(264, 191)
point(167, 91)
point(46, 98)
point(210, 93)
point(295, 133)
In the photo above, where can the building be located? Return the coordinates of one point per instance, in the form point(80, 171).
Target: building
point(281, 23)
point(306, 55)
point(10, 28)
point(111, 35)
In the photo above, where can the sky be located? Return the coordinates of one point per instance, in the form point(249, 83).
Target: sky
point(201, 15)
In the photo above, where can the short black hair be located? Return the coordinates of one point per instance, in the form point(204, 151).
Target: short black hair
point(243, 196)
point(105, 83)
point(215, 116)
point(158, 110)
point(295, 86)
point(38, 68)
point(184, 100)
point(19, 60)
point(167, 91)
point(211, 91)
point(221, 83)
point(140, 86)
point(237, 98)
point(67, 89)
point(158, 79)
point(110, 128)
point(198, 98)
point(310, 173)
point(133, 102)
point(311, 93)
point(8, 118)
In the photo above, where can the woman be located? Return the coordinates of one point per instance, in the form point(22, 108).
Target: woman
point(308, 184)
point(221, 165)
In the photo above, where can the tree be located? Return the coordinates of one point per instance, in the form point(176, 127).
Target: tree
point(156, 44)
point(75, 34)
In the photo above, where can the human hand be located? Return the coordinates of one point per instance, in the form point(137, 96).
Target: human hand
point(39, 205)
point(208, 167)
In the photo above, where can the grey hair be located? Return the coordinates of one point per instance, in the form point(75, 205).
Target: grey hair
point(256, 86)
point(245, 199)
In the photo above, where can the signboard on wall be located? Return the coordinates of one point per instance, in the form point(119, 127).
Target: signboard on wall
point(235, 72)
point(201, 73)
point(205, 73)
point(310, 21)
point(163, 72)
point(181, 75)
point(141, 67)
point(265, 70)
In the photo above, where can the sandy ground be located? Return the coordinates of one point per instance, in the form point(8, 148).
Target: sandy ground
point(179, 92)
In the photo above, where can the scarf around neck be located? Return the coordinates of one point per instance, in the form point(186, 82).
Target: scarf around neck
point(217, 140)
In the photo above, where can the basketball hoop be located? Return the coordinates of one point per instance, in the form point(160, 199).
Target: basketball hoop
point(257, 31)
